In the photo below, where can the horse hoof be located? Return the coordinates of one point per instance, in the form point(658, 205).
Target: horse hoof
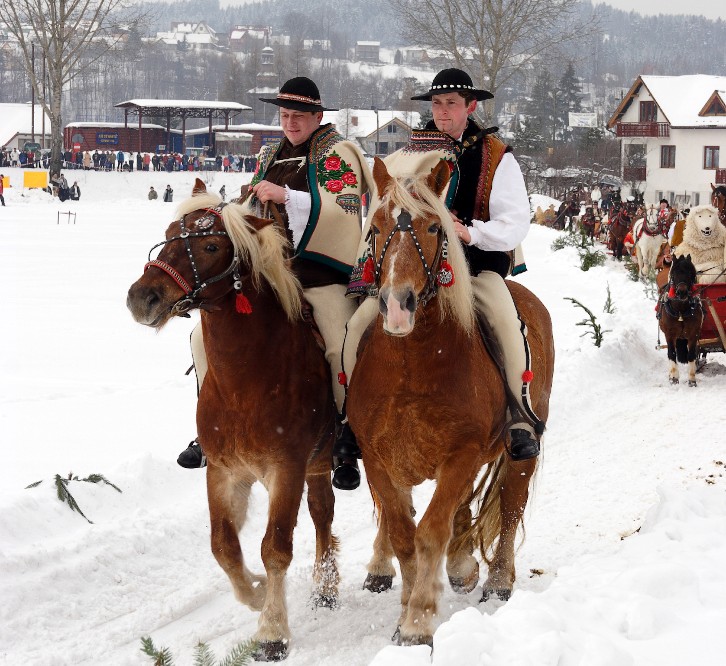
point(270, 651)
point(396, 638)
point(325, 601)
point(378, 584)
point(674, 380)
point(692, 382)
point(502, 594)
point(462, 585)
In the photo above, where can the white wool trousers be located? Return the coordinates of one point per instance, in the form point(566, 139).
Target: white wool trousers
point(331, 311)
point(493, 300)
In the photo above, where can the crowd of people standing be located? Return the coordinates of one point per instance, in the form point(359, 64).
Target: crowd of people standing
point(120, 160)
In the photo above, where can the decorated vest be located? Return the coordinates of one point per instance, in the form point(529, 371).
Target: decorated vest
point(336, 176)
point(468, 192)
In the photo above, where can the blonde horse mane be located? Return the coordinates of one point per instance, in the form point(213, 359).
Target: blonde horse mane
point(264, 252)
point(413, 194)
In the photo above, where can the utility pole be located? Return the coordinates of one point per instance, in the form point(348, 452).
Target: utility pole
point(32, 94)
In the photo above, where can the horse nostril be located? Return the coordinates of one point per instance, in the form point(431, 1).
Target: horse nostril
point(382, 306)
point(152, 300)
point(410, 302)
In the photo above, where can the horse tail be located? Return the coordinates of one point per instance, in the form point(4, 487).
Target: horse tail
point(682, 351)
point(487, 521)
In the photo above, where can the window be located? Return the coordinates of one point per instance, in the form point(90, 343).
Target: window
point(667, 157)
point(710, 157)
point(648, 112)
point(392, 129)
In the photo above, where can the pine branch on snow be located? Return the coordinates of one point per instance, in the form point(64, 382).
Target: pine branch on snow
point(161, 657)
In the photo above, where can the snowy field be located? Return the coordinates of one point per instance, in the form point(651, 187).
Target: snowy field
point(623, 562)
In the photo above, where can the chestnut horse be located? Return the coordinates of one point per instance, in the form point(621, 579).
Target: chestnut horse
point(265, 410)
point(680, 317)
point(427, 401)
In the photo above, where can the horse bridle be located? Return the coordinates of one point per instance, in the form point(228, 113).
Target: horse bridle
point(191, 298)
point(404, 224)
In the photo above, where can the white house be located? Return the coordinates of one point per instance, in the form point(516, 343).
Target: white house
point(671, 130)
point(376, 132)
point(21, 123)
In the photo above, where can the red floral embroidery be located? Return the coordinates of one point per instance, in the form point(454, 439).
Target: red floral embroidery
point(334, 185)
point(349, 178)
point(332, 163)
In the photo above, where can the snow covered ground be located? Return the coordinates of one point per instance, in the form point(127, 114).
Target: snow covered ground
point(623, 561)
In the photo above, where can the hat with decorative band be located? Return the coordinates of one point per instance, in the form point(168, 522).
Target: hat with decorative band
point(298, 94)
point(454, 80)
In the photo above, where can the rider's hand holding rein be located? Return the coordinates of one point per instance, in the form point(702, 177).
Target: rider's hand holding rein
point(266, 191)
point(462, 233)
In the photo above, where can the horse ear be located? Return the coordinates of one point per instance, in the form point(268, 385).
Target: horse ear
point(439, 177)
point(258, 223)
point(713, 187)
point(199, 188)
point(381, 176)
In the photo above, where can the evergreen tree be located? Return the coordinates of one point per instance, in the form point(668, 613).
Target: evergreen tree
point(568, 99)
point(539, 109)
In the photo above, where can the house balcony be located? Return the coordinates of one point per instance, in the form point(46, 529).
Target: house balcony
point(628, 130)
point(720, 177)
point(634, 173)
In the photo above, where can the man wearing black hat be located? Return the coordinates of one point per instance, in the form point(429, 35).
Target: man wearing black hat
point(316, 178)
point(488, 202)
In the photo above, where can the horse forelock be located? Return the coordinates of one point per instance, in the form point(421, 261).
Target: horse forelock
point(198, 202)
point(264, 252)
point(412, 194)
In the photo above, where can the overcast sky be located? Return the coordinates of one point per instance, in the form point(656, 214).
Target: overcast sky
point(712, 9)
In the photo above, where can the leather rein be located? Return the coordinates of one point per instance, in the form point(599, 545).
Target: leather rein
point(192, 294)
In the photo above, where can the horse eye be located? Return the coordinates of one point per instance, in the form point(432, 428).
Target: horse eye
point(211, 248)
point(434, 228)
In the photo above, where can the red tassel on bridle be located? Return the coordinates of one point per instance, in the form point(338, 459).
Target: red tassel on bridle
point(445, 276)
point(672, 292)
point(242, 304)
point(368, 276)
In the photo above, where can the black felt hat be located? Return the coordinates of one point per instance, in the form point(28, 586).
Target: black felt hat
point(454, 80)
point(298, 94)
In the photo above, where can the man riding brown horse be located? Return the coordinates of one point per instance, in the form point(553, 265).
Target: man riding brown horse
point(489, 205)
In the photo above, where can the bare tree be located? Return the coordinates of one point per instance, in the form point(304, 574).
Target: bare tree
point(62, 31)
point(492, 39)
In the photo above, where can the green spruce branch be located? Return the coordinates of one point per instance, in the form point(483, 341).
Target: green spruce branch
point(65, 495)
point(240, 655)
point(609, 307)
point(596, 330)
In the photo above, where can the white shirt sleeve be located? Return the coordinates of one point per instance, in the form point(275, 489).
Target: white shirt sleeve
point(508, 210)
point(297, 205)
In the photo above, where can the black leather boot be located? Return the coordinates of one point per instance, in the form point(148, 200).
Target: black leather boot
point(346, 475)
point(192, 457)
point(523, 446)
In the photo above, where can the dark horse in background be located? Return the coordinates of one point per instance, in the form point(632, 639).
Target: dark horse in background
point(621, 220)
point(718, 200)
point(680, 317)
point(567, 210)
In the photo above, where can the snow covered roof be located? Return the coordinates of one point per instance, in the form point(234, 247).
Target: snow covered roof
point(131, 126)
point(183, 104)
point(682, 99)
point(355, 123)
point(16, 119)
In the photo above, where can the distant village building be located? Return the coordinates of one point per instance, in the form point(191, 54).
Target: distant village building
point(189, 36)
point(19, 125)
point(671, 130)
point(368, 51)
point(248, 38)
point(267, 85)
point(377, 133)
